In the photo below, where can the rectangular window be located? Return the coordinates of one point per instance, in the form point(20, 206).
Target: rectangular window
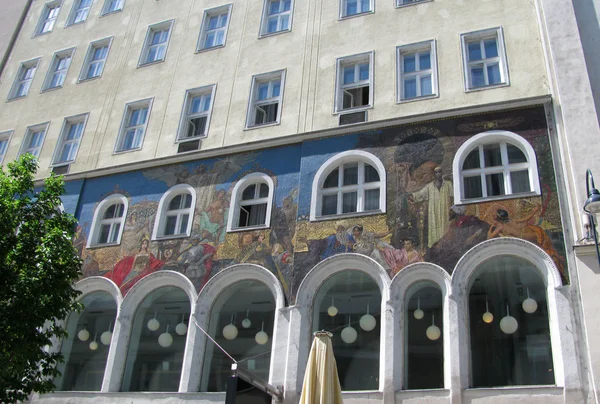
point(484, 59)
point(111, 6)
point(417, 71)
point(48, 17)
point(4, 141)
point(79, 11)
point(265, 99)
point(95, 59)
point(34, 139)
point(156, 43)
point(214, 28)
point(196, 113)
point(349, 8)
point(22, 83)
point(59, 67)
point(133, 127)
point(277, 16)
point(70, 137)
point(354, 82)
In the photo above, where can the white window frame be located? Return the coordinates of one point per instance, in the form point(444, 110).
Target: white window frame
point(496, 33)
point(339, 79)
point(404, 3)
point(158, 232)
point(62, 142)
point(45, 17)
point(75, 9)
point(129, 108)
point(186, 117)
point(264, 23)
point(152, 29)
point(413, 49)
point(253, 103)
point(26, 144)
point(33, 63)
point(343, 4)
point(236, 197)
point(351, 156)
point(98, 220)
point(212, 12)
point(101, 43)
point(53, 69)
point(495, 137)
point(106, 6)
point(5, 136)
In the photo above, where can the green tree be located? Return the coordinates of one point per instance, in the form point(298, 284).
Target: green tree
point(38, 266)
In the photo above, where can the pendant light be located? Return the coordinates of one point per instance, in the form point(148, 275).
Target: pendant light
point(349, 334)
point(261, 337)
point(367, 322)
point(153, 323)
point(332, 310)
point(529, 305)
point(106, 336)
point(246, 323)
point(94, 344)
point(508, 324)
point(418, 313)
point(487, 316)
point(83, 334)
point(165, 339)
point(181, 328)
point(433, 332)
point(230, 331)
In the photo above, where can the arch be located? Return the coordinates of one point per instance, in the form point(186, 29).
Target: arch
point(339, 159)
point(236, 197)
point(97, 221)
point(417, 272)
point(99, 284)
point(490, 137)
point(158, 232)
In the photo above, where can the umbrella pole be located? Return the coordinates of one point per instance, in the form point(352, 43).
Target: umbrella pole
point(231, 389)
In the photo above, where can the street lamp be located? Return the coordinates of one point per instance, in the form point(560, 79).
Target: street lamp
point(592, 206)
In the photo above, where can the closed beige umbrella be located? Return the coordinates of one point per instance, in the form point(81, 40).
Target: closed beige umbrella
point(321, 383)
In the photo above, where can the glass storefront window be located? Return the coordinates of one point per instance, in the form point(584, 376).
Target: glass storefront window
point(348, 305)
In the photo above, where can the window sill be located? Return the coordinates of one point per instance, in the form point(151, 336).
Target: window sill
point(41, 34)
point(110, 12)
point(489, 87)
point(264, 125)
point(497, 198)
point(355, 109)
point(190, 139)
point(126, 151)
point(346, 215)
point(412, 4)
point(61, 164)
point(47, 90)
point(421, 98)
point(75, 23)
point(140, 65)
point(249, 228)
point(95, 246)
point(170, 237)
point(88, 79)
point(270, 34)
point(347, 17)
point(16, 98)
point(209, 49)
point(534, 390)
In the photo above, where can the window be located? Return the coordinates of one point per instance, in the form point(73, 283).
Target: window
point(495, 164)
point(213, 32)
point(195, 116)
point(265, 99)
point(417, 71)
point(133, 127)
point(48, 17)
point(484, 59)
point(155, 45)
point(349, 182)
point(354, 82)
point(253, 198)
point(34, 139)
point(79, 11)
point(277, 15)
point(349, 8)
point(70, 137)
point(58, 69)
point(175, 212)
point(408, 2)
point(111, 6)
point(22, 82)
point(4, 141)
point(509, 327)
point(93, 65)
point(108, 221)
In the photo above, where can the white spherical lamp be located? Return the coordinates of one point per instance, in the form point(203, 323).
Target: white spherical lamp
point(367, 321)
point(93, 345)
point(529, 305)
point(349, 335)
point(418, 313)
point(181, 328)
point(153, 324)
point(230, 332)
point(105, 337)
point(165, 339)
point(487, 316)
point(332, 311)
point(508, 324)
point(261, 338)
point(83, 335)
point(433, 332)
point(246, 323)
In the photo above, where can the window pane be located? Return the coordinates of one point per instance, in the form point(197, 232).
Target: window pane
point(197, 127)
point(474, 51)
point(363, 70)
point(349, 74)
point(257, 214)
point(249, 192)
point(263, 91)
point(332, 179)
point(176, 202)
point(372, 199)
point(285, 22)
point(365, 5)
point(349, 202)
point(494, 74)
point(410, 88)
point(286, 5)
point(472, 187)
point(104, 233)
point(276, 88)
point(329, 205)
point(409, 63)
point(472, 160)
point(274, 7)
point(424, 61)
point(495, 184)
point(351, 7)
point(519, 181)
point(264, 191)
point(183, 223)
point(477, 77)
point(351, 174)
point(491, 49)
point(515, 155)
point(272, 24)
point(170, 225)
point(492, 156)
point(371, 174)
point(426, 85)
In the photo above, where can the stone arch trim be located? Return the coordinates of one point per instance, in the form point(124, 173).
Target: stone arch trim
point(99, 284)
point(419, 272)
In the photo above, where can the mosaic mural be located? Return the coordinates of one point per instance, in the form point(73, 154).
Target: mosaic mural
point(421, 222)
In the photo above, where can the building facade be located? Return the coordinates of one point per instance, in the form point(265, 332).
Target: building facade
point(247, 173)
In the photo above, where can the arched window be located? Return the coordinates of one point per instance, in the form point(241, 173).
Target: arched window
point(494, 164)
point(509, 327)
point(85, 350)
point(157, 343)
point(241, 321)
point(175, 212)
point(348, 304)
point(253, 199)
point(107, 224)
point(423, 348)
point(348, 183)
